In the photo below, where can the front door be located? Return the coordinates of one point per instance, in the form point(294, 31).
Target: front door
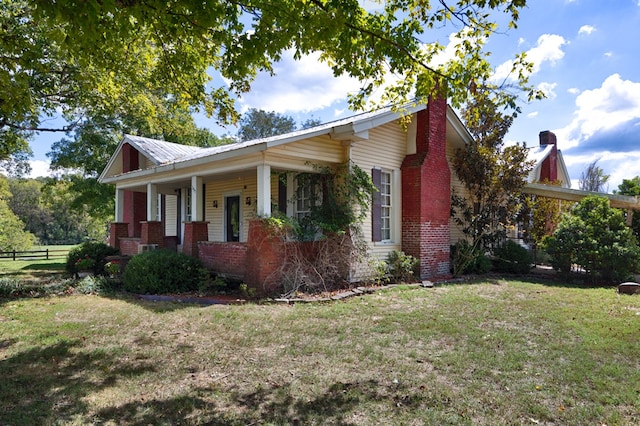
point(232, 218)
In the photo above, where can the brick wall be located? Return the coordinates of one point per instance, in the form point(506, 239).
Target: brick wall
point(264, 256)
point(549, 167)
point(226, 258)
point(129, 246)
point(426, 194)
point(194, 232)
point(117, 230)
point(152, 232)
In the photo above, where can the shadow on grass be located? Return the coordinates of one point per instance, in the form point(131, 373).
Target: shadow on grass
point(341, 403)
point(48, 384)
point(52, 267)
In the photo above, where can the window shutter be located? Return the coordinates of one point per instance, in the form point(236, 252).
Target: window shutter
point(376, 206)
point(282, 196)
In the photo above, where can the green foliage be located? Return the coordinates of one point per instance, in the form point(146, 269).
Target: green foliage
point(594, 237)
point(50, 61)
point(402, 267)
point(12, 230)
point(92, 252)
point(511, 257)
point(257, 124)
point(340, 200)
point(164, 271)
point(492, 175)
point(631, 187)
point(469, 259)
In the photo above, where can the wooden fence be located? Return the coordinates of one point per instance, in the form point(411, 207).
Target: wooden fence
point(35, 254)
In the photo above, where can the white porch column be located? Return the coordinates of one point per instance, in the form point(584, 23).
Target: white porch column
point(119, 205)
point(263, 202)
point(152, 202)
point(197, 199)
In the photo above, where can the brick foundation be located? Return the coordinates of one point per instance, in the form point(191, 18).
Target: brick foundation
point(117, 230)
point(129, 246)
point(426, 194)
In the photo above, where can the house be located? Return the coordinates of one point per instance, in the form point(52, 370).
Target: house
point(203, 201)
point(548, 162)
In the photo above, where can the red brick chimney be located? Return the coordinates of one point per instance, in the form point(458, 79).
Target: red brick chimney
point(549, 168)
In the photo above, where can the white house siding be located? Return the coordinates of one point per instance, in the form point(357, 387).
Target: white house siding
point(459, 189)
point(171, 215)
point(385, 149)
point(244, 186)
point(318, 149)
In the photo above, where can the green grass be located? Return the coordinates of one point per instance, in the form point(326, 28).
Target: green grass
point(36, 268)
point(486, 353)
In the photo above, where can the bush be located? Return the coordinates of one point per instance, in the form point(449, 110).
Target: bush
point(595, 237)
point(91, 253)
point(467, 259)
point(511, 257)
point(164, 271)
point(402, 267)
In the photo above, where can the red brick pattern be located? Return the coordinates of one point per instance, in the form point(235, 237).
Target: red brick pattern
point(152, 232)
point(226, 258)
point(264, 257)
point(193, 233)
point(426, 194)
point(118, 230)
point(129, 246)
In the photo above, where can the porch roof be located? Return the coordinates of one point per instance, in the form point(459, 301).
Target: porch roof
point(557, 192)
point(167, 156)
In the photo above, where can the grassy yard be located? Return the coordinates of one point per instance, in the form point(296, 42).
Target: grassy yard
point(36, 268)
point(486, 353)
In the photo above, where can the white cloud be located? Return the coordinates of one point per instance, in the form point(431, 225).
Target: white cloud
point(616, 102)
point(39, 168)
point(586, 30)
point(608, 54)
point(533, 114)
point(548, 49)
point(548, 89)
point(304, 85)
point(573, 90)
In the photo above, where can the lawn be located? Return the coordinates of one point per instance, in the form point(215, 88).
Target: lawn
point(493, 352)
point(28, 268)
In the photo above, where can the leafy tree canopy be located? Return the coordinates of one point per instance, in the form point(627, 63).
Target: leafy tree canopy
point(631, 187)
point(12, 233)
point(95, 59)
point(256, 124)
point(492, 175)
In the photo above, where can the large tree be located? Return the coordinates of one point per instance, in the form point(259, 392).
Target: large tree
point(94, 58)
point(492, 174)
point(631, 187)
point(12, 233)
point(256, 124)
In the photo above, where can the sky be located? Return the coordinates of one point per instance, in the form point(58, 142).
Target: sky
point(587, 61)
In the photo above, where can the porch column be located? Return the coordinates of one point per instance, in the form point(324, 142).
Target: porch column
point(119, 205)
point(263, 203)
point(197, 199)
point(152, 202)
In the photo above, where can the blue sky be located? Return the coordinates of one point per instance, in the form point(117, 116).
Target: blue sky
point(587, 60)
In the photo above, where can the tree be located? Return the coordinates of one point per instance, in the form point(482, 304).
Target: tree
point(92, 143)
point(257, 124)
point(631, 187)
point(12, 233)
point(594, 237)
point(50, 62)
point(593, 178)
point(492, 175)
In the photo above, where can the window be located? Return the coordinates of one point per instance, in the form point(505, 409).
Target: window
point(385, 204)
point(382, 206)
point(306, 197)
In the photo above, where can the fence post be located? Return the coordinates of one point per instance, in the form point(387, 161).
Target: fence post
point(47, 254)
point(14, 255)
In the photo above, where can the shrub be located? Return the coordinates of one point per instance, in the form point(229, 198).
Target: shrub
point(164, 271)
point(511, 257)
point(402, 267)
point(595, 237)
point(468, 259)
point(91, 254)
